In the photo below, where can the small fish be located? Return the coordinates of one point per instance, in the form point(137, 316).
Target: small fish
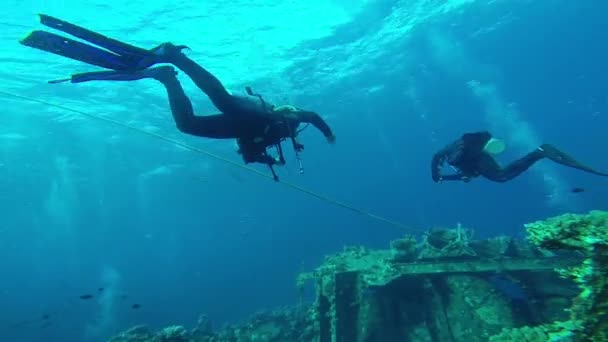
point(100, 289)
point(86, 296)
point(577, 190)
point(135, 306)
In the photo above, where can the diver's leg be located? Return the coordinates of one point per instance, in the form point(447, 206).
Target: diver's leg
point(203, 79)
point(490, 169)
point(517, 167)
point(560, 157)
point(218, 126)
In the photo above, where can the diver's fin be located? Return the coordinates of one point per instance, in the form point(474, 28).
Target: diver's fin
point(99, 76)
point(95, 38)
point(156, 72)
point(69, 48)
point(61, 80)
point(105, 52)
point(560, 157)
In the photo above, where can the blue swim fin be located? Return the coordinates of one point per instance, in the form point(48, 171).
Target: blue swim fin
point(117, 75)
point(95, 38)
point(76, 50)
point(111, 53)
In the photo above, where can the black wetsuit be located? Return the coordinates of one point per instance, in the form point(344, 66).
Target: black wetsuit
point(250, 120)
point(255, 124)
point(468, 157)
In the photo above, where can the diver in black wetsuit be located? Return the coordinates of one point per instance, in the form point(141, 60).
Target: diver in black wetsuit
point(254, 123)
point(471, 156)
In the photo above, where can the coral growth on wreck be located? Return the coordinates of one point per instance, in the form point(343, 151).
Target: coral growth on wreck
point(588, 235)
point(444, 286)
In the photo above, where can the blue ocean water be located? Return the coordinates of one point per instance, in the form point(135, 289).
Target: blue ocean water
point(88, 204)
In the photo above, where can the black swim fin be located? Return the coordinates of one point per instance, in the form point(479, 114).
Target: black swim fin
point(560, 157)
point(111, 53)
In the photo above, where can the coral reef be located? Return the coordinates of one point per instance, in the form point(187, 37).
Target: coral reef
point(176, 333)
point(288, 324)
point(558, 331)
point(138, 333)
point(588, 235)
point(447, 243)
point(439, 289)
point(445, 287)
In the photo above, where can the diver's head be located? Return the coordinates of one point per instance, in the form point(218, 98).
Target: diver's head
point(291, 111)
point(287, 112)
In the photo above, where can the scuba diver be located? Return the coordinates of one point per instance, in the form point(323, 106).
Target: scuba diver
point(472, 156)
point(255, 124)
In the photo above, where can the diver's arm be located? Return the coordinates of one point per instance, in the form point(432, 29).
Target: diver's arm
point(438, 160)
point(316, 120)
point(438, 177)
point(451, 152)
